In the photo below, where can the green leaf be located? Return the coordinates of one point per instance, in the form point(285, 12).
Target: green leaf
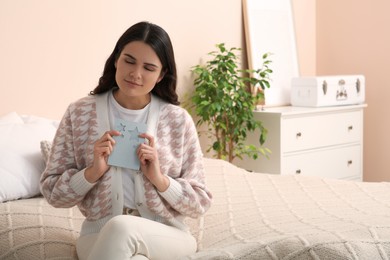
point(221, 100)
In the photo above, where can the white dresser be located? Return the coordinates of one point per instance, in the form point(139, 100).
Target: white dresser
point(325, 142)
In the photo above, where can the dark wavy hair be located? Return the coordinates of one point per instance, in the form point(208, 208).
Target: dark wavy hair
point(158, 39)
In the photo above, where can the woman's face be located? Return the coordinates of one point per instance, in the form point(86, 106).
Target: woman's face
point(138, 69)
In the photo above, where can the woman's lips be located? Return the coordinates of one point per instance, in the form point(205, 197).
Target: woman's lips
point(132, 83)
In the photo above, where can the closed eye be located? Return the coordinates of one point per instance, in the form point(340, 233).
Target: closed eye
point(130, 61)
point(150, 68)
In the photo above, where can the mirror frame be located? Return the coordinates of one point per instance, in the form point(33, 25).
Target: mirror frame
point(269, 27)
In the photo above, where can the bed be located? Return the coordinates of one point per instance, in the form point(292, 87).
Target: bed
point(253, 215)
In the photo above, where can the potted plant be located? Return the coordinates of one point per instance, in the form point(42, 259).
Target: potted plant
point(225, 98)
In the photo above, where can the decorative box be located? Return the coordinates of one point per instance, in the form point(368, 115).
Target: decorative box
point(322, 91)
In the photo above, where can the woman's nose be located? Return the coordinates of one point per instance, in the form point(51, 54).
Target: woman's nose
point(136, 72)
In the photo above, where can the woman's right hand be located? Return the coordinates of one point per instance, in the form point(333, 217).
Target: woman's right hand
point(102, 149)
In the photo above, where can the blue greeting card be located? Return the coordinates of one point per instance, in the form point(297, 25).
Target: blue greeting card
point(124, 153)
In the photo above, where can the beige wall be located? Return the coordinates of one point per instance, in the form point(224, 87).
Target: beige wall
point(53, 52)
point(353, 36)
point(304, 12)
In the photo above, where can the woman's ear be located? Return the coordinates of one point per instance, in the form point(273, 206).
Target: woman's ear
point(162, 74)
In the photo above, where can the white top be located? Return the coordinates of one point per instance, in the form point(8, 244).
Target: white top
point(138, 116)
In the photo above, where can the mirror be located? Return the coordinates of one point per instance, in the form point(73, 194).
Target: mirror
point(269, 27)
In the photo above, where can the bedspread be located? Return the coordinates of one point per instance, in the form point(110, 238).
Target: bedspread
point(253, 216)
point(261, 216)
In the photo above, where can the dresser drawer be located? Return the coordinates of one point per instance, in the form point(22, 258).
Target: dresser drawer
point(308, 132)
point(341, 163)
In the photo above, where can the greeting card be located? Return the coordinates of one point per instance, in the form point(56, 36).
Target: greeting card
point(124, 153)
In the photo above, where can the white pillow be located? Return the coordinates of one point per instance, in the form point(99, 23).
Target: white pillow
point(21, 162)
point(11, 118)
point(29, 119)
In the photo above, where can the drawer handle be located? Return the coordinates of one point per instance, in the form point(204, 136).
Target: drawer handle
point(299, 134)
point(298, 171)
point(350, 128)
point(349, 162)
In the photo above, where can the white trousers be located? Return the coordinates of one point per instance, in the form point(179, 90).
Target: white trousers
point(130, 237)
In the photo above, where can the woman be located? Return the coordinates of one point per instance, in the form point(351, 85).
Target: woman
point(130, 214)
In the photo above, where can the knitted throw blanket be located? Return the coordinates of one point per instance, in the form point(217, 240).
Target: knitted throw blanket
point(253, 216)
point(260, 216)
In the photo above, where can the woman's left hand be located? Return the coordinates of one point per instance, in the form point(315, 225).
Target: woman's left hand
point(150, 165)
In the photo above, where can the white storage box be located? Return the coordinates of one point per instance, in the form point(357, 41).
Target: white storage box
point(327, 90)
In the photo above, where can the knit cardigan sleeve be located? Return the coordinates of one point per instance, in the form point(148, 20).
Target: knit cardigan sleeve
point(181, 159)
point(63, 183)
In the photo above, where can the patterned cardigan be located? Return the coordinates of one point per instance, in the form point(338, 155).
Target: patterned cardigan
point(63, 183)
